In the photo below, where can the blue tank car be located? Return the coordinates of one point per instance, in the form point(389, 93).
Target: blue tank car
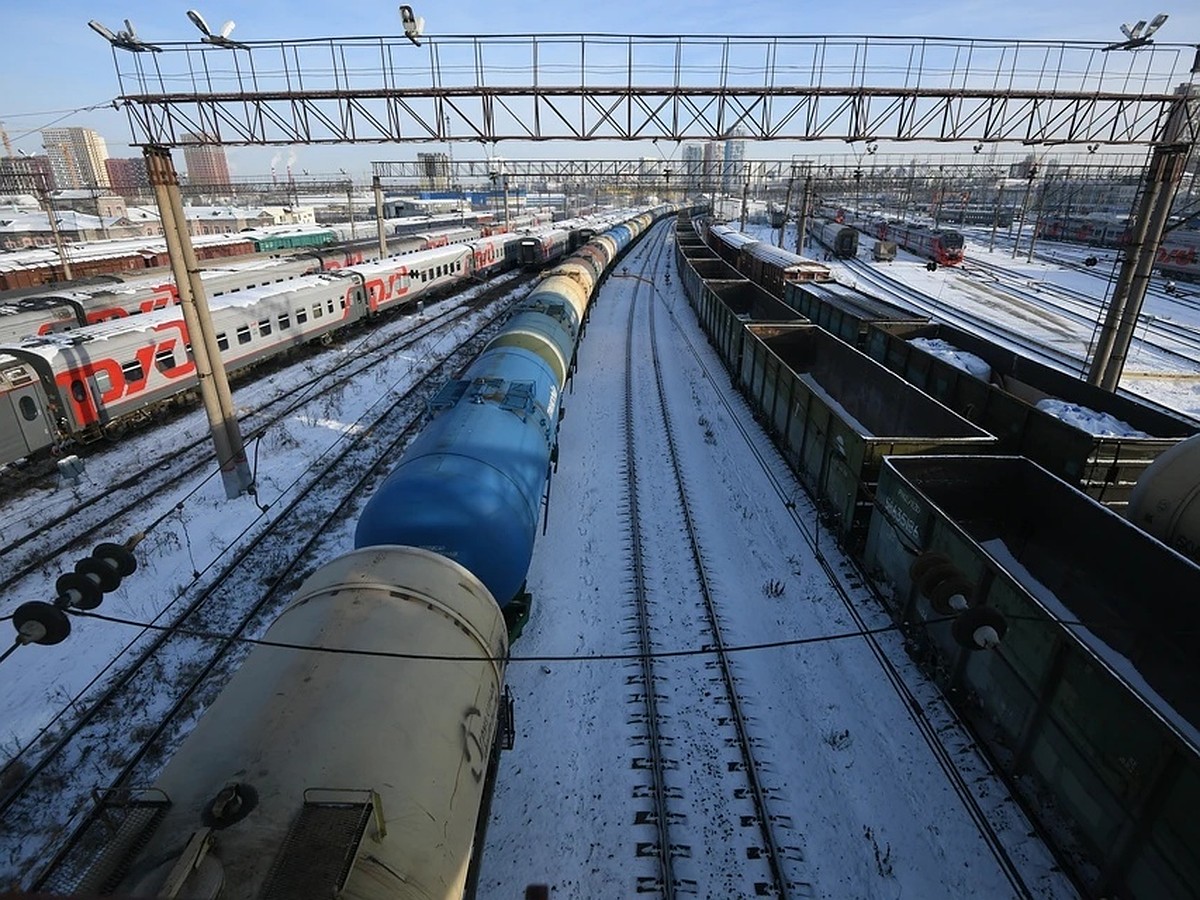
point(470, 486)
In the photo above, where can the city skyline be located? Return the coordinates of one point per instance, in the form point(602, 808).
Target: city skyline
point(79, 86)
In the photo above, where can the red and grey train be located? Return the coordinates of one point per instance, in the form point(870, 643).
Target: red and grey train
point(82, 385)
point(67, 306)
point(943, 246)
point(1178, 255)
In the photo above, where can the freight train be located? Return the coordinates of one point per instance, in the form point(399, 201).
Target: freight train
point(772, 267)
point(91, 382)
point(1060, 631)
point(362, 773)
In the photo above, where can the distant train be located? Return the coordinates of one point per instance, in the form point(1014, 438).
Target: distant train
point(1093, 230)
point(974, 215)
point(942, 246)
point(70, 305)
point(1178, 255)
point(30, 267)
point(93, 381)
point(25, 268)
point(535, 250)
point(840, 240)
point(363, 774)
point(771, 267)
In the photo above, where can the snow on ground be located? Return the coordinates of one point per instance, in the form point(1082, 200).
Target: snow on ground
point(872, 814)
point(200, 525)
point(1176, 386)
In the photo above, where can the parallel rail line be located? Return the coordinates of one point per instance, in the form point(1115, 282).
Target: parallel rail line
point(285, 549)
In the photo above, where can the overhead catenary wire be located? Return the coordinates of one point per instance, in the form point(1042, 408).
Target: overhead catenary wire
point(536, 658)
point(66, 115)
point(782, 643)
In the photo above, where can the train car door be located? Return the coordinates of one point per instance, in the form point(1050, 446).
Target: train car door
point(28, 411)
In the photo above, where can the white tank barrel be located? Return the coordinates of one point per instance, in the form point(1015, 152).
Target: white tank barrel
point(1166, 499)
point(315, 759)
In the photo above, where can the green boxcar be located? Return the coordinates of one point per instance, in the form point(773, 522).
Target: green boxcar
point(295, 241)
point(724, 308)
point(1104, 467)
point(846, 311)
point(1089, 702)
point(836, 414)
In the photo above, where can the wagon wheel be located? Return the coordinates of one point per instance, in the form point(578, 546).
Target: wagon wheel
point(934, 575)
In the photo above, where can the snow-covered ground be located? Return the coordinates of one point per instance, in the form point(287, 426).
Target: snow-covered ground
point(1176, 386)
point(198, 526)
point(871, 814)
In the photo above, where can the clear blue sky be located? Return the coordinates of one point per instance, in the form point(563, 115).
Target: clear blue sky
point(52, 61)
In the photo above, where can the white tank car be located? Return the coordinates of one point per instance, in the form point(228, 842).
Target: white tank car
point(324, 774)
point(1166, 499)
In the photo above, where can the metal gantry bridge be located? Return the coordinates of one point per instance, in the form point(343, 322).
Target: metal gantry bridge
point(842, 166)
point(594, 87)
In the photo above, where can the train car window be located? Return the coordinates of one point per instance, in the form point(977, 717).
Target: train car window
point(243, 334)
point(285, 322)
point(318, 311)
point(164, 359)
point(29, 409)
point(222, 341)
point(132, 371)
point(78, 392)
point(342, 303)
point(264, 327)
point(301, 316)
point(330, 305)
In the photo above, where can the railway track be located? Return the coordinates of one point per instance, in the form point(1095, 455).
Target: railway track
point(847, 584)
point(81, 522)
point(180, 668)
point(915, 299)
point(1174, 342)
point(738, 801)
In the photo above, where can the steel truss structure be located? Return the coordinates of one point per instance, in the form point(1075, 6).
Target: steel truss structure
point(685, 175)
point(609, 87)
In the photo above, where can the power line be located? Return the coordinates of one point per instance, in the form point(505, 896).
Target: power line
point(54, 112)
point(596, 657)
point(67, 115)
